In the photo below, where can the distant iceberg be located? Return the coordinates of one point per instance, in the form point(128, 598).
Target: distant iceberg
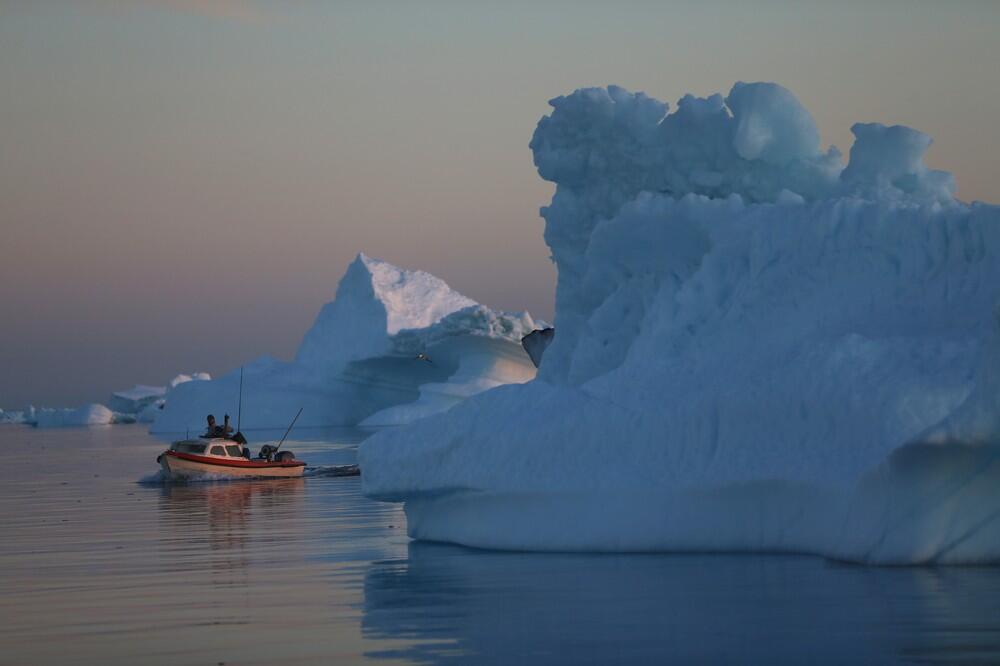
point(137, 398)
point(12, 416)
point(141, 403)
point(393, 346)
point(144, 403)
point(759, 349)
point(87, 415)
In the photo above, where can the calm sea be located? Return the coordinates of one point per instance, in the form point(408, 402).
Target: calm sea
point(97, 568)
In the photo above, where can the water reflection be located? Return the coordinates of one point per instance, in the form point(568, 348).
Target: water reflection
point(458, 606)
point(95, 566)
point(219, 522)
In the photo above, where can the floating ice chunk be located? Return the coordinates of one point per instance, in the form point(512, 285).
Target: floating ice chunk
point(12, 416)
point(86, 415)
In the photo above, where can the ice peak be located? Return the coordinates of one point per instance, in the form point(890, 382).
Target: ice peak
point(890, 161)
point(411, 298)
point(376, 300)
point(771, 125)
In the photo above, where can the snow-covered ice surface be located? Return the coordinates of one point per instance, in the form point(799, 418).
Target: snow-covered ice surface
point(194, 377)
point(395, 345)
point(759, 349)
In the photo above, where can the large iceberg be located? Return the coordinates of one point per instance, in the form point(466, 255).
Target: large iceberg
point(393, 346)
point(758, 349)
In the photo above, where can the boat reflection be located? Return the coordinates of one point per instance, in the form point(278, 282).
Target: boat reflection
point(222, 526)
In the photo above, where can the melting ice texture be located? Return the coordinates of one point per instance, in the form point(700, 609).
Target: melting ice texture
point(393, 346)
point(757, 349)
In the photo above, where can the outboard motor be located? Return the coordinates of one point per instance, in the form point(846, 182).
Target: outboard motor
point(285, 456)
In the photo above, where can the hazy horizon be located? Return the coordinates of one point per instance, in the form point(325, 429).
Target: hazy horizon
point(183, 183)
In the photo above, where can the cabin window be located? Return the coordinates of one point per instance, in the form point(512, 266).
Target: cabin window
point(190, 448)
point(218, 451)
point(234, 450)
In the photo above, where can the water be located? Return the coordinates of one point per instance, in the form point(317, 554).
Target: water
point(97, 569)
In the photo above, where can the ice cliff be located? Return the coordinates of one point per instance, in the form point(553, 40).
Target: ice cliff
point(393, 346)
point(759, 349)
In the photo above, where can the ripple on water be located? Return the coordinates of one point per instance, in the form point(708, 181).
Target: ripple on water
point(96, 568)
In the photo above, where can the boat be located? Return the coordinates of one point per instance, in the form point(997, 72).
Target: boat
point(218, 457)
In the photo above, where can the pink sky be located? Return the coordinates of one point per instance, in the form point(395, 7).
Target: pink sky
point(183, 183)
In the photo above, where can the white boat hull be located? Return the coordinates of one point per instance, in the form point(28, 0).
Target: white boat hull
point(183, 467)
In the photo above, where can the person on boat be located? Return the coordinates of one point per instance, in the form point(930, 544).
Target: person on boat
point(216, 430)
point(227, 428)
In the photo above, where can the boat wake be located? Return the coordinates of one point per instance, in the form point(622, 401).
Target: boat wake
point(332, 470)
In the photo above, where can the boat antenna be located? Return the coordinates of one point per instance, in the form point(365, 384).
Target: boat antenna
point(288, 431)
point(239, 412)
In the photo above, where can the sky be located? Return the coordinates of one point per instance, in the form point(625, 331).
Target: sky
point(183, 183)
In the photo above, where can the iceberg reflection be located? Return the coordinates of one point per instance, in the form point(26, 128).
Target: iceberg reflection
point(449, 604)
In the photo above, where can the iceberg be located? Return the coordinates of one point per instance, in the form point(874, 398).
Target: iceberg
point(394, 345)
point(143, 403)
point(12, 416)
point(151, 412)
point(136, 399)
point(87, 415)
point(760, 349)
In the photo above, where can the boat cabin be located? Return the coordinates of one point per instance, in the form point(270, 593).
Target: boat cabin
point(218, 448)
point(217, 457)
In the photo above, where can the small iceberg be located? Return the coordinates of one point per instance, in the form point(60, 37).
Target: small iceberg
point(87, 415)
